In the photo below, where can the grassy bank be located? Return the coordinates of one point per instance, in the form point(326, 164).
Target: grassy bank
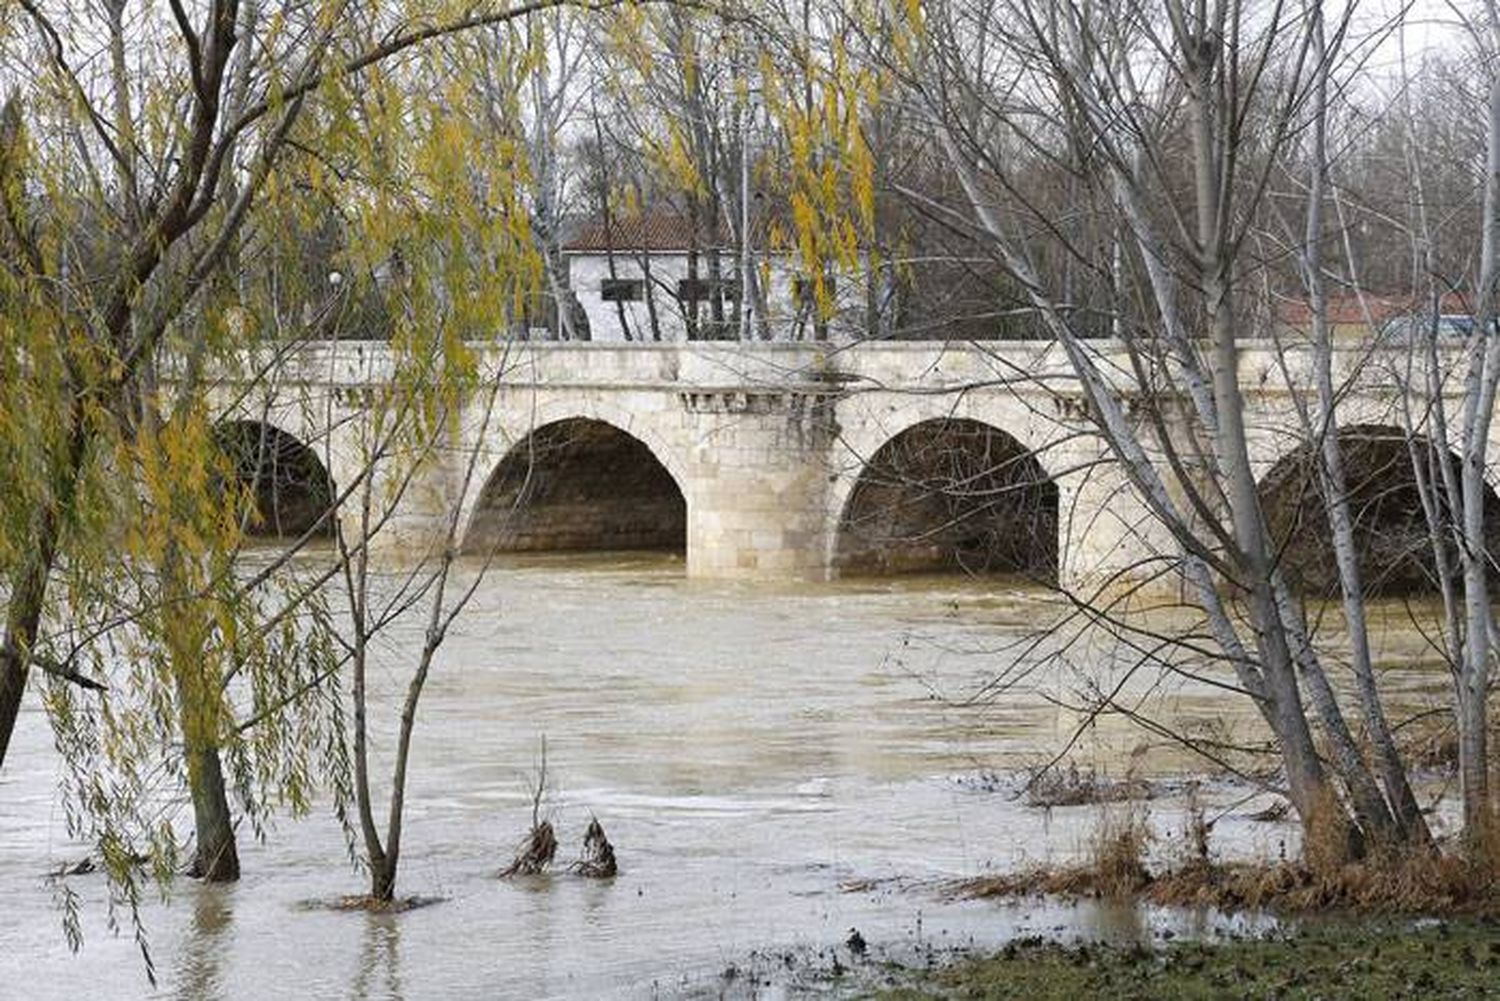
point(1335, 960)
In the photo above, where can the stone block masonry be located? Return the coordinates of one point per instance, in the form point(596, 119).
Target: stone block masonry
point(776, 459)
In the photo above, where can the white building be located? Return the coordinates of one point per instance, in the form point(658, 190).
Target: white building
point(632, 281)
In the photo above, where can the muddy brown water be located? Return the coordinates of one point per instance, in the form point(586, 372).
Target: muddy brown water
point(776, 765)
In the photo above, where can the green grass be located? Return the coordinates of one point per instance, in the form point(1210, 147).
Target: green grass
point(1367, 962)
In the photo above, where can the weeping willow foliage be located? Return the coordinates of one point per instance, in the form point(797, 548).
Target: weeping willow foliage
point(798, 86)
point(784, 88)
point(145, 598)
point(341, 151)
point(174, 198)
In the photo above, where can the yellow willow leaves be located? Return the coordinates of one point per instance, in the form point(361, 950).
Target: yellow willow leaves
point(183, 525)
point(904, 35)
point(630, 30)
point(686, 52)
point(274, 30)
point(821, 97)
point(673, 66)
point(830, 171)
point(427, 188)
point(675, 158)
point(628, 198)
point(31, 425)
point(182, 479)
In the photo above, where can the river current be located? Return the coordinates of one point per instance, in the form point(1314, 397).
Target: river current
point(776, 765)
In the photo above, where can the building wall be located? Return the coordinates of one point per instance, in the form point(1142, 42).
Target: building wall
point(587, 273)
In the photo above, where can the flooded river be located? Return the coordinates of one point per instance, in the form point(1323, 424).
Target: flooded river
point(776, 765)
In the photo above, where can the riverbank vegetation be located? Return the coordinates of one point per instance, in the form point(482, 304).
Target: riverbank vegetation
point(1429, 882)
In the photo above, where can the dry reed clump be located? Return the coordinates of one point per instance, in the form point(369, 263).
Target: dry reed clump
point(1118, 850)
point(1385, 882)
point(1114, 865)
point(536, 853)
point(1419, 881)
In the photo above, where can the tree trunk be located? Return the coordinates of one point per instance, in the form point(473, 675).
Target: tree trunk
point(689, 304)
point(28, 597)
point(217, 858)
point(1402, 804)
point(1480, 390)
point(357, 577)
point(23, 616)
point(1308, 783)
point(383, 878)
point(1309, 789)
point(187, 633)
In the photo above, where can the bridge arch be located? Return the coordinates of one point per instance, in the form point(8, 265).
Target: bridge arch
point(579, 483)
point(1391, 532)
point(949, 494)
point(288, 484)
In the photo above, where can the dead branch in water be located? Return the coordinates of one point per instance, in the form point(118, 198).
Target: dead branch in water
point(540, 846)
point(598, 860)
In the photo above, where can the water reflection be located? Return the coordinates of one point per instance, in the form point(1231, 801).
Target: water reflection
point(595, 900)
point(379, 972)
point(199, 973)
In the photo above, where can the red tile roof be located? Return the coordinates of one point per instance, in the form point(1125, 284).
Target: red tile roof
point(1350, 310)
point(652, 231)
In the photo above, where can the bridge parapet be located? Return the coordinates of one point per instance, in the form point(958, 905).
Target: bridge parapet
point(927, 366)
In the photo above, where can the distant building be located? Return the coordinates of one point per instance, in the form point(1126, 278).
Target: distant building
point(632, 280)
point(1362, 317)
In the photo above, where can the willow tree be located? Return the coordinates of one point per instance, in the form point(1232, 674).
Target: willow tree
point(696, 143)
point(148, 161)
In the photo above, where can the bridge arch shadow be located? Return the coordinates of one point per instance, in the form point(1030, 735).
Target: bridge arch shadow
point(579, 484)
point(290, 489)
point(950, 495)
point(1391, 531)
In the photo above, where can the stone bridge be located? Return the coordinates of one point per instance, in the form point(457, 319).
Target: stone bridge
point(779, 459)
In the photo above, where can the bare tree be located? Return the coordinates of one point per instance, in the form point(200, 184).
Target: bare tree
point(1187, 113)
